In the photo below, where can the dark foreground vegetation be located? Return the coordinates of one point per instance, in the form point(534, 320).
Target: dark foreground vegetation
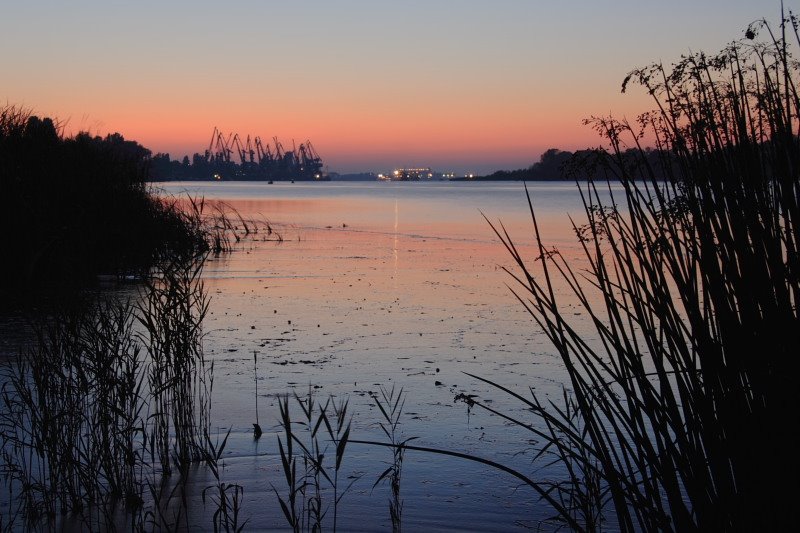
point(680, 413)
point(113, 398)
point(102, 420)
point(76, 207)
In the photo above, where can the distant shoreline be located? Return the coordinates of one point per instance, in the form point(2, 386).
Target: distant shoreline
point(459, 180)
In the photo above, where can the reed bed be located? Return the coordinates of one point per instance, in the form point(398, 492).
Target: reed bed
point(180, 382)
point(71, 416)
point(681, 415)
point(218, 225)
point(111, 403)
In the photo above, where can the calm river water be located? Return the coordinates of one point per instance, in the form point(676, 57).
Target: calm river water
point(381, 285)
point(385, 285)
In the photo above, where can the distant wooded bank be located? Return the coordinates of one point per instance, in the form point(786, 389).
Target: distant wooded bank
point(560, 165)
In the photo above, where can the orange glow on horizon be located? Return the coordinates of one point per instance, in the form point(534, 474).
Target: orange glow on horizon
point(360, 79)
point(408, 131)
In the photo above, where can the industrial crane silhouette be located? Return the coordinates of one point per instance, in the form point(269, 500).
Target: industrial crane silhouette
point(259, 160)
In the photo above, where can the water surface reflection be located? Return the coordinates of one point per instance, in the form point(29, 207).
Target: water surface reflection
point(380, 285)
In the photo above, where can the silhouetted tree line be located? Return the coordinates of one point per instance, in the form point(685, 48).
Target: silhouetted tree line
point(163, 168)
point(558, 165)
point(200, 167)
point(77, 206)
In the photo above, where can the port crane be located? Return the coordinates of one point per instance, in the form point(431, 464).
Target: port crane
point(259, 160)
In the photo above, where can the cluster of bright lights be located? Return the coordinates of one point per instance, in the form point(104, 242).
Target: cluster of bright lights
point(402, 174)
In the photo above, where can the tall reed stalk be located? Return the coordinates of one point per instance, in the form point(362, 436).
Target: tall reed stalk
point(390, 403)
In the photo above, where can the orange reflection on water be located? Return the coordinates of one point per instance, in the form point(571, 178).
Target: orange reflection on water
point(435, 257)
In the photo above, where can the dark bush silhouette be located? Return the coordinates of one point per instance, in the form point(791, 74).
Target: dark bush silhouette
point(75, 207)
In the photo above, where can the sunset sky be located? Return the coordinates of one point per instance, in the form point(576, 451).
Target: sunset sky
point(462, 85)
